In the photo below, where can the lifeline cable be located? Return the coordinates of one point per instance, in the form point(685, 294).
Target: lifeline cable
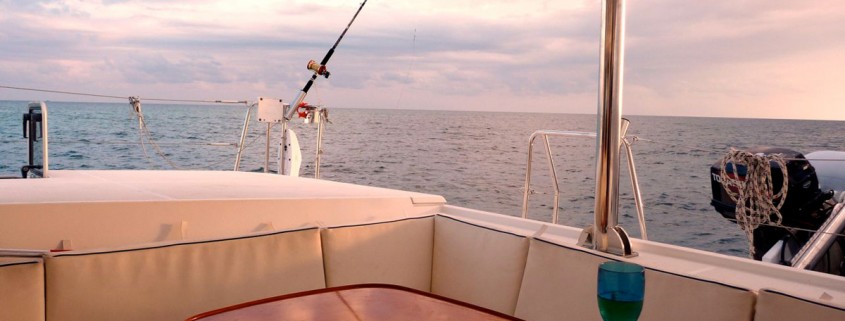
point(200, 101)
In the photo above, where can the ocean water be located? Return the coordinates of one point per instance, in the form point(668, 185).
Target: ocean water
point(474, 159)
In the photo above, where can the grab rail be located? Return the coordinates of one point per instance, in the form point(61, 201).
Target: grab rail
point(546, 134)
point(553, 172)
point(244, 132)
point(820, 242)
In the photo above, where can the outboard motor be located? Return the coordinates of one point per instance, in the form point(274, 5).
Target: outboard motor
point(830, 168)
point(805, 205)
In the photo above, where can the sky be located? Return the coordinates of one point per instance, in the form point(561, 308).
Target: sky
point(737, 58)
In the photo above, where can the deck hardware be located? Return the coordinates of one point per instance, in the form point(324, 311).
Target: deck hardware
point(244, 132)
point(626, 143)
point(605, 235)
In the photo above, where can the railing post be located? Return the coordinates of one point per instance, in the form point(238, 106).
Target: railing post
point(244, 132)
point(552, 168)
point(604, 235)
point(820, 242)
point(527, 187)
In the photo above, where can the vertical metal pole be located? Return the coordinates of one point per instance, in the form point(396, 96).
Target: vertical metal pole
point(635, 184)
point(609, 129)
point(613, 217)
point(635, 188)
point(284, 142)
point(527, 188)
point(243, 137)
point(282, 148)
point(553, 173)
point(320, 122)
point(267, 151)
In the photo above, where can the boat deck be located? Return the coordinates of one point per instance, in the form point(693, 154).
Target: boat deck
point(165, 237)
point(94, 209)
point(73, 186)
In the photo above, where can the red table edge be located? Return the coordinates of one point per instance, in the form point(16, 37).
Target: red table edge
point(350, 287)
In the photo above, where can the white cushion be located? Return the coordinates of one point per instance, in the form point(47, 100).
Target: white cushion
point(561, 281)
point(773, 306)
point(559, 284)
point(397, 252)
point(674, 297)
point(176, 281)
point(477, 264)
point(21, 289)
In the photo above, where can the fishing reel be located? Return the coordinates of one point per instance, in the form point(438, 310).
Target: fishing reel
point(304, 109)
point(318, 69)
point(312, 114)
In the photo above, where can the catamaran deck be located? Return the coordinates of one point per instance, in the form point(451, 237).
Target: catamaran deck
point(75, 186)
point(93, 209)
point(188, 242)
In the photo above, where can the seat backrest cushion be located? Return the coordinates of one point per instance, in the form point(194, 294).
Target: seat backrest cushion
point(397, 252)
point(561, 281)
point(558, 283)
point(775, 306)
point(477, 264)
point(21, 289)
point(176, 281)
point(674, 297)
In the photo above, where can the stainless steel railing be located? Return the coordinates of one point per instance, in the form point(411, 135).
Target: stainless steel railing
point(553, 173)
point(545, 134)
point(820, 242)
point(243, 137)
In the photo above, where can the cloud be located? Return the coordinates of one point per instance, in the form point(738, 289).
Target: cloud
point(157, 69)
point(48, 7)
point(728, 58)
point(712, 59)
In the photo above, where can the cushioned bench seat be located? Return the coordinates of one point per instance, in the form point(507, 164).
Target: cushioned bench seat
point(483, 264)
point(440, 254)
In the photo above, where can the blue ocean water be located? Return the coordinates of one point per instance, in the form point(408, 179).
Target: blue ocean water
point(474, 159)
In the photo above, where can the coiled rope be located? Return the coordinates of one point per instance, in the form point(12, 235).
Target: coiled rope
point(754, 195)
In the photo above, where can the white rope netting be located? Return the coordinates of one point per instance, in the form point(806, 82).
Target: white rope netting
point(754, 194)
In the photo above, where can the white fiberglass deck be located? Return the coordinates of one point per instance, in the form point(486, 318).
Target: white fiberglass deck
point(96, 209)
point(75, 186)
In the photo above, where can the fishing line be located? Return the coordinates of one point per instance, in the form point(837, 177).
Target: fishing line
point(410, 68)
point(126, 142)
point(691, 148)
point(796, 228)
point(135, 103)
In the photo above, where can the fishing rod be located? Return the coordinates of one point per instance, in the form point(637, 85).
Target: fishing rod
point(319, 69)
point(289, 153)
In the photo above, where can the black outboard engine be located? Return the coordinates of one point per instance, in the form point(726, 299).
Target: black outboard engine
point(803, 207)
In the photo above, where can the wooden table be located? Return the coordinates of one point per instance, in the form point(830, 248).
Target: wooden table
point(365, 302)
